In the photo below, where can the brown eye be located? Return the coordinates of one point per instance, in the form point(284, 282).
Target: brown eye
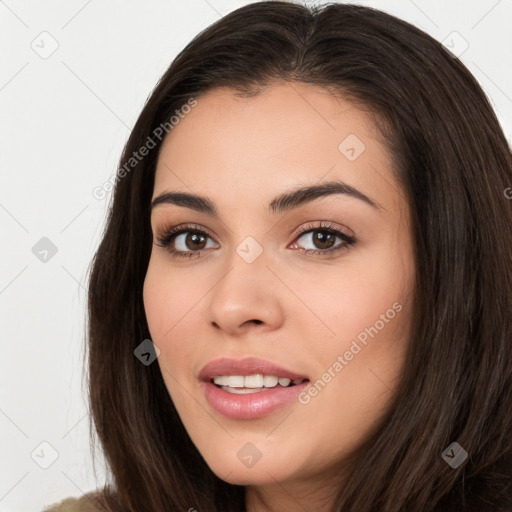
point(322, 239)
point(190, 241)
point(184, 241)
point(194, 241)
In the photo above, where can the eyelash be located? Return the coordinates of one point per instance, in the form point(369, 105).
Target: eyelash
point(168, 235)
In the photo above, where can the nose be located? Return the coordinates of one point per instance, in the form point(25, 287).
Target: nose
point(246, 296)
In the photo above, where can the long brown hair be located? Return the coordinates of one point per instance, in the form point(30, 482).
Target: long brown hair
point(453, 164)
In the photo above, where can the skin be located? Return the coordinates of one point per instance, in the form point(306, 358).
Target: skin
point(241, 153)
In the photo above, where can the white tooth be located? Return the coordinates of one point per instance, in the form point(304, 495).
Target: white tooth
point(235, 381)
point(254, 381)
point(243, 391)
point(269, 381)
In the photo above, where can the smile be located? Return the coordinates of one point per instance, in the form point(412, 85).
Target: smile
point(249, 388)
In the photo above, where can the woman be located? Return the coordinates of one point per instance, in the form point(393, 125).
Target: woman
point(302, 298)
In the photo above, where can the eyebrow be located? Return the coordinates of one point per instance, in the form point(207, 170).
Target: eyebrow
point(282, 203)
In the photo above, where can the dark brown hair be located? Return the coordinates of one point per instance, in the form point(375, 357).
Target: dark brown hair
point(453, 164)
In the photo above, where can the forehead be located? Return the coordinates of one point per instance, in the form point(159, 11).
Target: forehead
point(288, 135)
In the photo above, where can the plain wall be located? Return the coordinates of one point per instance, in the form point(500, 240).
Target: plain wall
point(65, 117)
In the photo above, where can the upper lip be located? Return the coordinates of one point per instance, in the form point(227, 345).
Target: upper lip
point(244, 367)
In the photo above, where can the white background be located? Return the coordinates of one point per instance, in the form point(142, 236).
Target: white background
point(64, 120)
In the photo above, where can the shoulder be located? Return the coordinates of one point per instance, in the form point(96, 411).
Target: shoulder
point(87, 503)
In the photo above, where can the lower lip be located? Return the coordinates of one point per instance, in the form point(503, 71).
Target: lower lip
point(251, 405)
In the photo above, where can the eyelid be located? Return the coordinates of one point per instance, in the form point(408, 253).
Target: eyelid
point(309, 226)
point(325, 225)
point(170, 233)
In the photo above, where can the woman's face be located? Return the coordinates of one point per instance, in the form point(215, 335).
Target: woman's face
point(330, 304)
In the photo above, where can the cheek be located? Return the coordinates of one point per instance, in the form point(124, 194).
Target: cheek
point(157, 304)
point(167, 298)
point(368, 315)
point(365, 313)
point(354, 302)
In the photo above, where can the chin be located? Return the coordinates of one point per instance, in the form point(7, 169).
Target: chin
point(250, 476)
point(236, 473)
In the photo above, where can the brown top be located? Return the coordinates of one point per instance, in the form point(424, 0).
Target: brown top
point(83, 504)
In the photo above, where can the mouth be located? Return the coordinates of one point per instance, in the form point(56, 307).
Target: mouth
point(255, 383)
point(250, 388)
point(249, 368)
